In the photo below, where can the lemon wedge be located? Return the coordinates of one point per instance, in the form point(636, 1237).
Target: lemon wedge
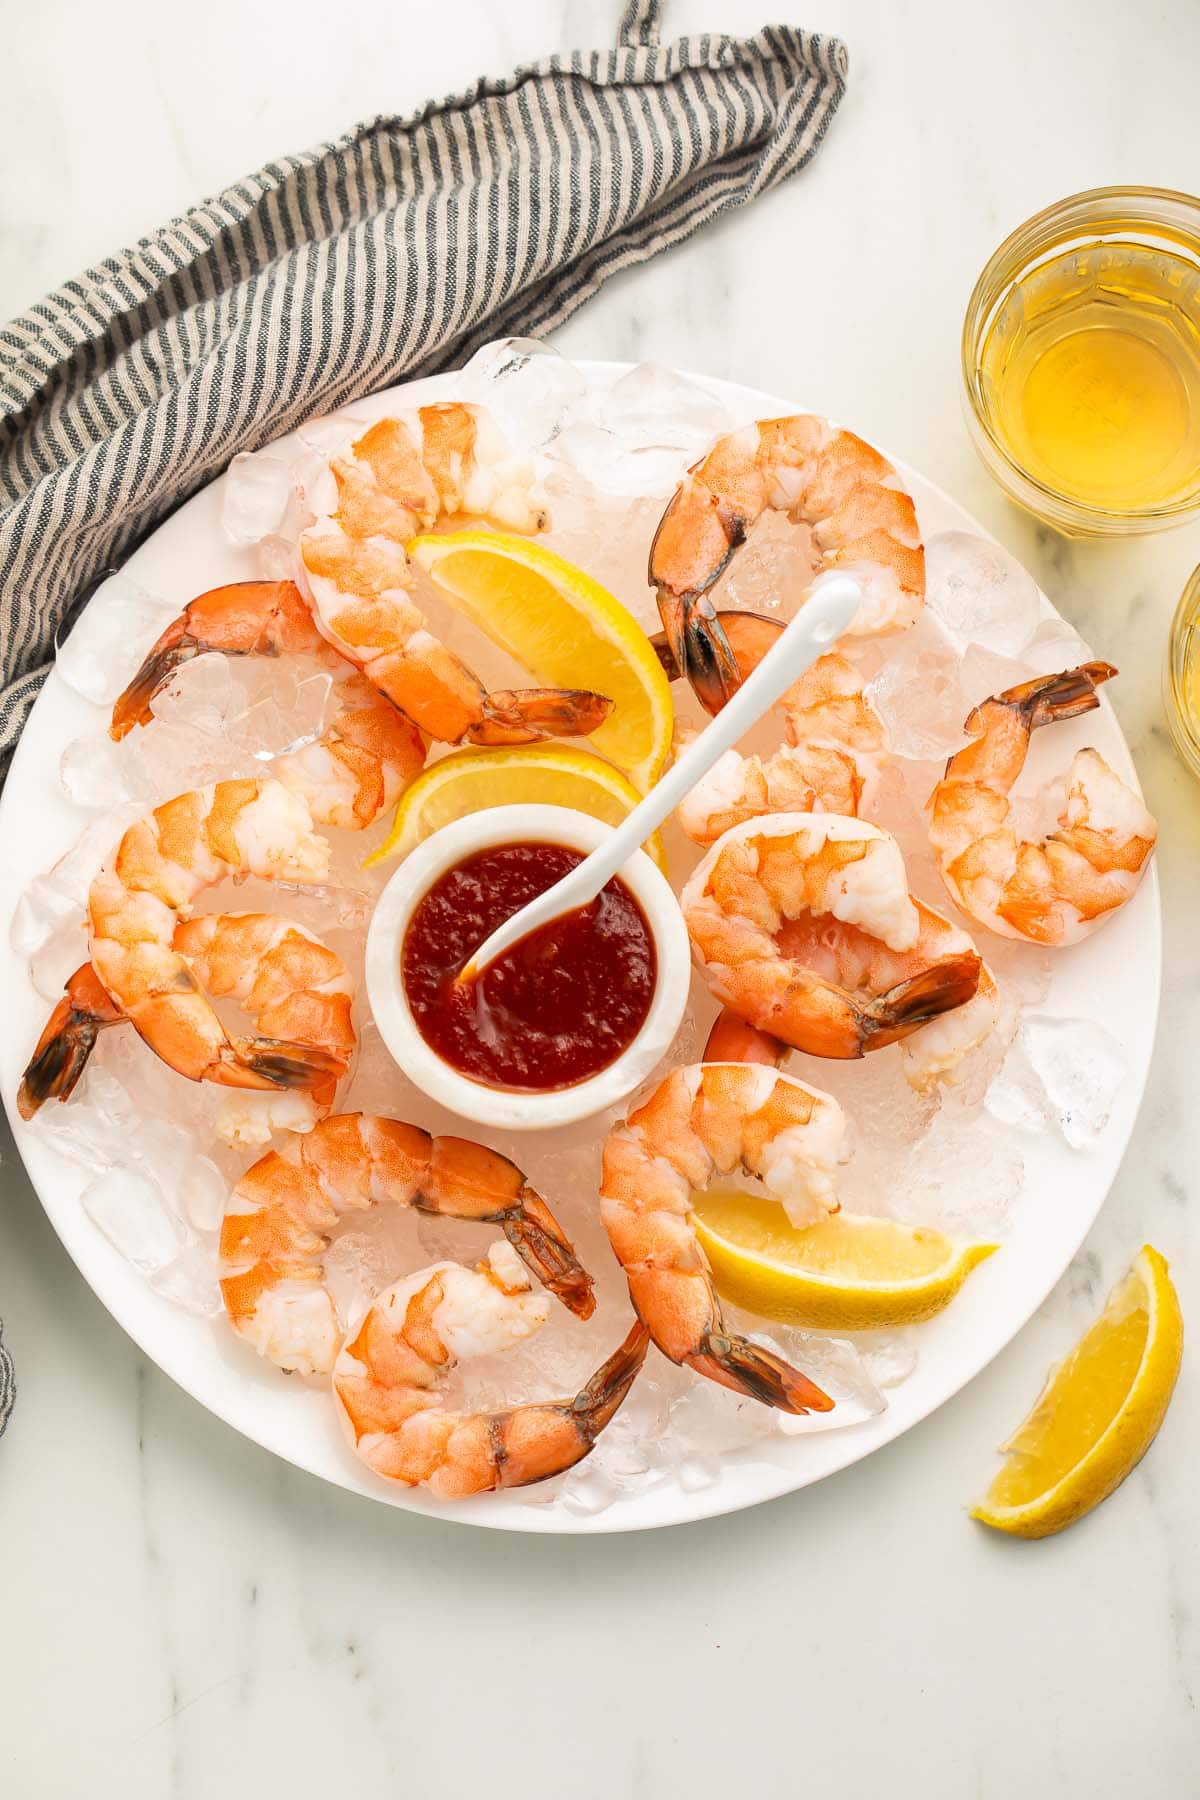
point(847, 1273)
point(469, 781)
point(1098, 1413)
point(566, 629)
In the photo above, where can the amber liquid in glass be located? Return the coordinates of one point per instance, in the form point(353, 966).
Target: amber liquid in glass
point(1090, 375)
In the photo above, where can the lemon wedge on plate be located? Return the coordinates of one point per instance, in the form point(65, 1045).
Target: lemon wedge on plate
point(846, 1273)
point(566, 629)
point(1098, 1413)
point(548, 774)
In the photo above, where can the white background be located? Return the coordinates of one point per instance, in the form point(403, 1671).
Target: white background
point(182, 1615)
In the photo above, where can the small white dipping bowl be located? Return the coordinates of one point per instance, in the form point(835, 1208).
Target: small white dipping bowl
point(522, 1109)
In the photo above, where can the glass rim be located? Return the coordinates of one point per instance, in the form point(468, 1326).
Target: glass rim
point(1182, 635)
point(983, 299)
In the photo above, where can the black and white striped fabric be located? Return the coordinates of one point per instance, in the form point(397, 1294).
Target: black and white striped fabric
point(8, 1386)
point(396, 250)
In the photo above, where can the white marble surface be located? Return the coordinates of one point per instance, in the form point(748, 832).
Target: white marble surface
point(182, 1615)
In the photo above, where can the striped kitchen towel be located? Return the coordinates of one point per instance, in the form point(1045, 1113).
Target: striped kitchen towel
point(8, 1384)
point(395, 250)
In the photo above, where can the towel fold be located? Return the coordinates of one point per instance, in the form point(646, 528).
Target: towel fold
point(394, 251)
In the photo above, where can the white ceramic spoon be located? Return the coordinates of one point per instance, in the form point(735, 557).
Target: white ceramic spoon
point(826, 613)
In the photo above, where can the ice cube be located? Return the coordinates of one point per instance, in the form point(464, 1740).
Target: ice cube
point(80, 1132)
point(1016, 1095)
point(286, 720)
point(985, 672)
point(981, 594)
point(695, 1473)
point(110, 638)
point(201, 1194)
point(1055, 645)
point(56, 960)
point(275, 556)
point(58, 897)
point(588, 1489)
point(257, 489)
point(92, 773)
point(190, 1280)
point(130, 1209)
point(918, 695)
point(889, 1357)
point(1081, 1067)
point(639, 435)
point(964, 1177)
point(166, 758)
point(205, 693)
point(530, 389)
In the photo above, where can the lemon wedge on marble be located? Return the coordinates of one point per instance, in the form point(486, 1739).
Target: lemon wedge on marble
point(1098, 1413)
point(846, 1273)
point(566, 629)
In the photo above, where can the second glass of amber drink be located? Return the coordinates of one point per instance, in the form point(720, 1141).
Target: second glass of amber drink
point(1081, 358)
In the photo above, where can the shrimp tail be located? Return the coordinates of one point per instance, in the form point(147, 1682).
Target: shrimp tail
point(67, 1041)
point(538, 1238)
point(272, 1062)
point(1050, 698)
point(912, 1003)
point(733, 1039)
point(595, 1404)
point(699, 646)
point(748, 635)
point(175, 647)
point(753, 1370)
point(524, 715)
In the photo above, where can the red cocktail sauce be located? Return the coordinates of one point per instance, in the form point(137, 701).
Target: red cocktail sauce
point(560, 1005)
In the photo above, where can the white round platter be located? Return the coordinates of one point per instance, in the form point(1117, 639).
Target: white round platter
point(1064, 1190)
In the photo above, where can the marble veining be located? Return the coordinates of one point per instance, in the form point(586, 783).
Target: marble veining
point(184, 1616)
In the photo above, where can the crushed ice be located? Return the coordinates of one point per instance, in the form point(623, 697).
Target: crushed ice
point(1060, 1073)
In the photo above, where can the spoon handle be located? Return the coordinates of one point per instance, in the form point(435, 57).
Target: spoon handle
point(826, 613)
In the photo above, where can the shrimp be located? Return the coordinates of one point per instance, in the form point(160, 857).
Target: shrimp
point(295, 989)
point(804, 926)
point(385, 1383)
point(857, 514)
point(400, 477)
point(283, 1212)
point(702, 1120)
point(931, 1054)
point(831, 763)
point(1056, 890)
point(136, 903)
point(360, 765)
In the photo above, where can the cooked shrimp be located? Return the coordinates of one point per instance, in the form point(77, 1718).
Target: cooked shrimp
point(295, 989)
point(831, 763)
point(283, 1212)
point(164, 860)
point(804, 926)
point(358, 767)
point(1058, 889)
point(704, 1120)
point(932, 1054)
point(386, 1376)
point(856, 513)
point(401, 476)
